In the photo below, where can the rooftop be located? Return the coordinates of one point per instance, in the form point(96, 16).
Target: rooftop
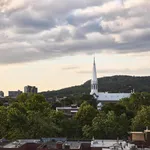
point(104, 143)
point(73, 144)
point(105, 96)
point(67, 108)
point(53, 139)
point(21, 142)
point(146, 130)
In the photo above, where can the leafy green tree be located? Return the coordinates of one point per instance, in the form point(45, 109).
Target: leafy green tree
point(1, 103)
point(98, 125)
point(136, 100)
point(56, 104)
point(116, 107)
point(3, 121)
point(71, 128)
point(41, 126)
point(116, 126)
point(107, 126)
point(142, 119)
point(37, 103)
point(86, 114)
point(23, 97)
point(32, 117)
point(89, 99)
point(87, 131)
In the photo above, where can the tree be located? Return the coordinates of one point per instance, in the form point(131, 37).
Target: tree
point(107, 126)
point(116, 107)
point(87, 131)
point(32, 117)
point(136, 100)
point(142, 119)
point(86, 114)
point(71, 128)
point(89, 99)
point(16, 122)
point(98, 126)
point(41, 125)
point(3, 121)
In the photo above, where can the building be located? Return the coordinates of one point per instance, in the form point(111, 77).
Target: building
point(104, 97)
point(68, 111)
point(30, 89)
point(103, 144)
point(111, 145)
point(63, 144)
point(14, 94)
point(23, 144)
point(1, 94)
point(141, 139)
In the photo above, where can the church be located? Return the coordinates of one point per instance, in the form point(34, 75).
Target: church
point(104, 97)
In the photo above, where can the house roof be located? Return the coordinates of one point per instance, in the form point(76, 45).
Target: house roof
point(21, 142)
point(67, 108)
point(147, 131)
point(104, 143)
point(105, 96)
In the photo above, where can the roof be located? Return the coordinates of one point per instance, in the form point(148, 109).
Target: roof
point(53, 139)
point(104, 143)
point(147, 131)
point(73, 144)
point(19, 143)
point(136, 132)
point(105, 96)
point(74, 111)
point(68, 108)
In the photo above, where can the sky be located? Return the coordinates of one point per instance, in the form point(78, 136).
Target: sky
point(51, 43)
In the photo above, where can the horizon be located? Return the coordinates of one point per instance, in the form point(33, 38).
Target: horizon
point(51, 45)
point(82, 83)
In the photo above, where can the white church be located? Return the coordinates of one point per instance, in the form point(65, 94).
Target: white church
point(104, 97)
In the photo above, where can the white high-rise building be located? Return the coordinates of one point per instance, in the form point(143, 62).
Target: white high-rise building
point(104, 97)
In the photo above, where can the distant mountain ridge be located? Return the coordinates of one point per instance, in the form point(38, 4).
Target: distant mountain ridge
point(117, 83)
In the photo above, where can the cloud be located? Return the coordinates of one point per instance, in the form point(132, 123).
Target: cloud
point(31, 30)
point(116, 71)
point(70, 68)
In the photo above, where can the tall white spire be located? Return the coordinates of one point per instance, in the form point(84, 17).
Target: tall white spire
point(94, 74)
point(94, 82)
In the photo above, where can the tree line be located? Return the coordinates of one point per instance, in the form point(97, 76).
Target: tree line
point(31, 116)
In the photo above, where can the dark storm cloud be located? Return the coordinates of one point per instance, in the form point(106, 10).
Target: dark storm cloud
point(34, 30)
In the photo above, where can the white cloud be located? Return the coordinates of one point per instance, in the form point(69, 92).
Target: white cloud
point(34, 30)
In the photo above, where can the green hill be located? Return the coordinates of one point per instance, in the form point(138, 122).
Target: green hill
point(112, 84)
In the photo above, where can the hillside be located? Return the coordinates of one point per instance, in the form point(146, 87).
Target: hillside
point(113, 84)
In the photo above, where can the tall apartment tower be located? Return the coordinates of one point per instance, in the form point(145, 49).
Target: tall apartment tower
point(30, 89)
point(14, 94)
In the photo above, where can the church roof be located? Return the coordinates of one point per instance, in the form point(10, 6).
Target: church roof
point(105, 96)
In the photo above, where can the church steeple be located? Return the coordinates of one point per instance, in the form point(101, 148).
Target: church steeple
point(94, 82)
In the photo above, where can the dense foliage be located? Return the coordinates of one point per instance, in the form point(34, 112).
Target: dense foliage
point(110, 84)
point(31, 116)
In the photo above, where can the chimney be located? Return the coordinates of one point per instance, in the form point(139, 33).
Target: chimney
point(66, 147)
